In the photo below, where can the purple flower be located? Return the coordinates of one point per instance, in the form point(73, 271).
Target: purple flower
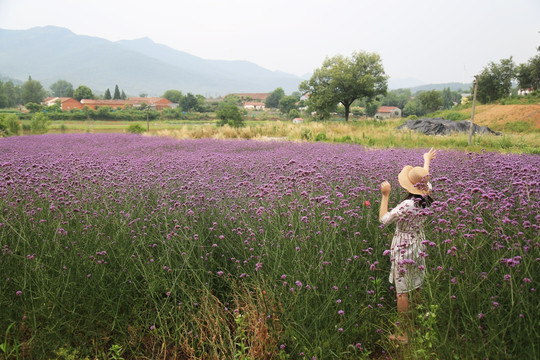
point(18, 293)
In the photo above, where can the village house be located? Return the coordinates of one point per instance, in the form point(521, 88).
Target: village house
point(385, 112)
point(254, 105)
point(66, 103)
point(260, 97)
point(154, 102)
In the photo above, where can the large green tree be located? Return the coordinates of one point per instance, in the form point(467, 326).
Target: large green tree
point(430, 100)
point(343, 80)
point(62, 88)
point(83, 92)
point(495, 81)
point(287, 103)
point(173, 96)
point(32, 91)
point(272, 101)
point(528, 74)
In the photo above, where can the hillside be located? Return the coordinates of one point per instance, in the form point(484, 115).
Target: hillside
point(51, 53)
point(503, 117)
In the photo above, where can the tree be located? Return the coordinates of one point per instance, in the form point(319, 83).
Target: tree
point(272, 101)
point(287, 103)
point(173, 96)
point(188, 102)
point(83, 92)
point(12, 93)
point(528, 75)
point(343, 80)
point(62, 88)
point(123, 95)
point(32, 91)
point(430, 100)
point(495, 81)
point(372, 108)
point(116, 95)
point(398, 98)
point(413, 107)
point(107, 95)
point(229, 113)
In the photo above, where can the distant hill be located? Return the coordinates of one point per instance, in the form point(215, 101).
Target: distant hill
point(453, 86)
point(51, 53)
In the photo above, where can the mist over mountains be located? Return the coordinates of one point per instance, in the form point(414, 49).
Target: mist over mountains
point(138, 66)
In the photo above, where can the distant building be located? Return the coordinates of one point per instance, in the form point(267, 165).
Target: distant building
point(66, 103)
point(298, 121)
point(154, 102)
point(254, 105)
point(385, 112)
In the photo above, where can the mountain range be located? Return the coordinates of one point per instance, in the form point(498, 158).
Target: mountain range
point(138, 66)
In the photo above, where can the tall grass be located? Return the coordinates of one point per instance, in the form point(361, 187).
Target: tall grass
point(369, 133)
point(146, 247)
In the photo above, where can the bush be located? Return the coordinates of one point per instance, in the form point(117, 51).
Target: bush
point(9, 124)
point(39, 124)
point(136, 129)
point(456, 116)
point(412, 117)
point(230, 114)
point(321, 137)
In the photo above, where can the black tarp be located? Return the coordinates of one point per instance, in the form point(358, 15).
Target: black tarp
point(440, 126)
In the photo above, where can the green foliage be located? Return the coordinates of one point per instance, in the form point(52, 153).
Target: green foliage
point(272, 101)
point(33, 107)
point(107, 95)
point(412, 117)
point(83, 92)
point(62, 88)
point(413, 107)
point(321, 137)
point(294, 113)
point(117, 95)
point(230, 114)
point(32, 91)
point(344, 80)
point(398, 98)
point(372, 108)
point(9, 124)
point(287, 103)
point(495, 81)
point(174, 96)
point(430, 100)
point(135, 129)
point(39, 123)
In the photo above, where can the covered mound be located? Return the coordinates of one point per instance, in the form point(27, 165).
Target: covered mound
point(440, 126)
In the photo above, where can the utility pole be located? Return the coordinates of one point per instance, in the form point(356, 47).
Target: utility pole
point(473, 106)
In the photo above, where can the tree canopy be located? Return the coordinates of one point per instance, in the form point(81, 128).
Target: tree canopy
point(32, 91)
point(83, 92)
point(495, 80)
point(272, 101)
point(343, 80)
point(62, 88)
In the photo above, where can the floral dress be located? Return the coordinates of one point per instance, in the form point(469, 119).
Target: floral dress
point(408, 250)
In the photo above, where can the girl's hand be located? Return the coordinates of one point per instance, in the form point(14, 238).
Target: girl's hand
point(385, 188)
point(430, 155)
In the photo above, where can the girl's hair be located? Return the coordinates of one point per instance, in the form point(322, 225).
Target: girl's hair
point(422, 201)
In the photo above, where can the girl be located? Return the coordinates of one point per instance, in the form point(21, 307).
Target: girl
point(407, 271)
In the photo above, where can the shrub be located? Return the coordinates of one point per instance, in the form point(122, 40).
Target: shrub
point(321, 137)
point(412, 117)
point(39, 124)
point(230, 114)
point(9, 124)
point(135, 129)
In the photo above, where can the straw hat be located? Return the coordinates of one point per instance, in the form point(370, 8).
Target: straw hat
point(414, 180)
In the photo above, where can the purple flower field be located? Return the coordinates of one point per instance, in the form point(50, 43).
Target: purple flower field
point(211, 249)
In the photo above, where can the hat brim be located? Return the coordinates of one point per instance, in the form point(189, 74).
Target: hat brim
point(406, 183)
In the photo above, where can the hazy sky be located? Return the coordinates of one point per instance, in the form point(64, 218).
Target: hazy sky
point(434, 41)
